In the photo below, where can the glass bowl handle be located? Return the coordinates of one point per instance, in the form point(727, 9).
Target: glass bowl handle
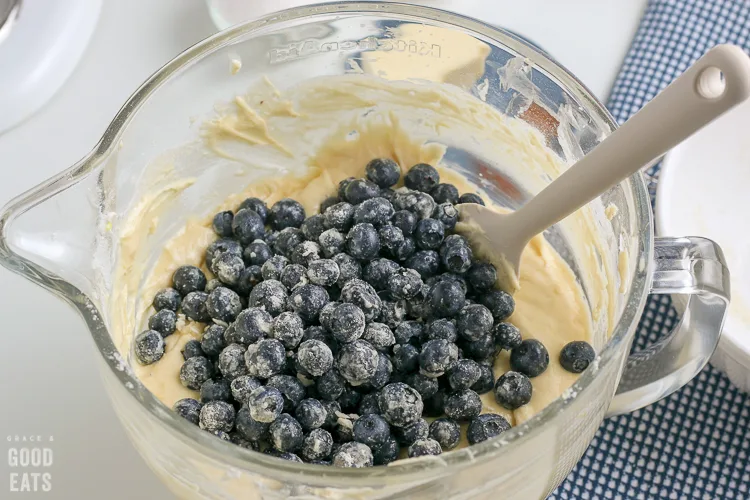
point(695, 272)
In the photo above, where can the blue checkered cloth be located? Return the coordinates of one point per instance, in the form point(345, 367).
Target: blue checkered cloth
point(696, 442)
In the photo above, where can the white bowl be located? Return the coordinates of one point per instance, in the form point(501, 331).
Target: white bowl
point(704, 188)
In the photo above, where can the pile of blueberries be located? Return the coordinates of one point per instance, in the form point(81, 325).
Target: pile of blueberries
point(330, 338)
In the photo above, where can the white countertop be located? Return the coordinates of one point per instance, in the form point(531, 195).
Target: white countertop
point(47, 362)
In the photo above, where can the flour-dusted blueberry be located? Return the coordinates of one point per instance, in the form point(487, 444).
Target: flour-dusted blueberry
point(249, 428)
point(238, 439)
point(305, 253)
point(221, 246)
point(265, 358)
point(454, 278)
point(425, 386)
point(323, 272)
point(471, 198)
point(313, 227)
point(363, 295)
point(409, 434)
point(331, 242)
point(288, 328)
point(167, 298)
point(188, 279)
point(257, 253)
point(363, 242)
point(483, 349)
point(371, 430)
point(222, 223)
point(369, 405)
point(482, 277)
point(256, 205)
point(242, 386)
point(445, 193)
point(435, 406)
point(441, 328)
point(419, 306)
point(248, 226)
point(192, 349)
point(486, 380)
point(383, 372)
point(286, 213)
point(316, 445)
point(217, 416)
point(420, 204)
point(408, 330)
point(484, 427)
point(223, 304)
point(575, 356)
point(195, 371)
point(353, 455)
point(347, 322)
point(388, 193)
point(400, 404)
point(360, 190)
point(463, 405)
point(249, 278)
point(404, 220)
point(290, 387)
point(357, 361)
point(391, 239)
point(189, 409)
point(446, 299)
point(405, 358)
point(447, 215)
point(446, 432)
point(403, 283)
point(383, 171)
point(379, 335)
point(437, 357)
point(513, 390)
point(455, 239)
point(429, 234)
point(456, 258)
point(228, 268)
point(215, 390)
point(386, 452)
point(376, 211)
point(424, 447)
point(232, 361)
point(425, 262)
point(330, 385)
point(326, 314)
point(286, 433)
point(265, 404)
point(474, 321)
point(349, 268)
point(530, 358)
point(148, 347)
point(349, 401)
point(310, 413)
point(377, 272)
point(422, 177)
point(339, 216)
point(287, 240)
point(392, 313)
point(328, 203)
point(308, 300)
point(213, 284)
point(507, 336)
point(500, 303)
point(213, 341)
point(164, 322)
point(343, 184)
point(251, 325)
point(464, 374)
point(273, 267)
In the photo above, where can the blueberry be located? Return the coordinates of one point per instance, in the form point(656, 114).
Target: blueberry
point(464, 374)
point(266, 358)
point(388, 194)
point(424, 447)
point(310, 414)
point(250, 326)
point(360, 190)
point(454, 278)
point(456, 258)
point(313, 227)
point(471, 198)
point(248, 226)
point(507, 336)
point(424, 385)
point(420, 204)
point(287, 240)
point(308, 300)
point(349, 400)
point(419, 306)
point(357, 361)
point(213, 284)
point(224, 436)
point(376, 211)
point(513, 390)
point(342, 187)
point(446, 432)
point(447, 215)
point(323, 272)
point(331, 242)
point(238, 439)
point(446, 299)
point(353, 454)
point(486, 380)
point(249, 428)
point(189, 409)
point(382, 373)
point(256, 205)
point(386, 453)
point(391, 240)
point(149, 347)
point(257, 253)
point(484, 427)
point(314, 358)
point(195, 371)
point(441, 328)
point(192, 349)
point(286, 433)
point(349, 268)
point(347, 322)
point(530, 358)
point(288, 328)
point(228, 268)
point(463, 405)
point(316, 445)
point(408, 330)
point(412, 433)
point(482, 349)
point(403, 283)
point(217, 416)
point(219, 247)
point(328, 203)
point(383, 171)
point(363, 242)
point(363, 295)
point(249, 278)
point(332, 410)
point(167, 298)
point(286, 213)
point(369, 405)
point(222, 223)
point(339, 216)
point(377, 272)
point(232, 361)
point(265, 404)
point(437, 357)
point(212, 341)
point(445, 193)
point(164, 322)
point(400, 404)
point(371, 430)
point(482, 277)
point(330, 385)
point(392, 313)
point(305, 253)
point(425, 262)
point(188, 279)
point(405, 358)
point(435, 406)
point(242, 386)
point(223, 304)
point(576, 356)
point(379, 335)
point(215, 390)
point(474, 321)
point(422, 177)
point(405, 221)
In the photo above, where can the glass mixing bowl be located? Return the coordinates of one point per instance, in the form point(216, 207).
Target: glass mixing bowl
point(64, 233)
